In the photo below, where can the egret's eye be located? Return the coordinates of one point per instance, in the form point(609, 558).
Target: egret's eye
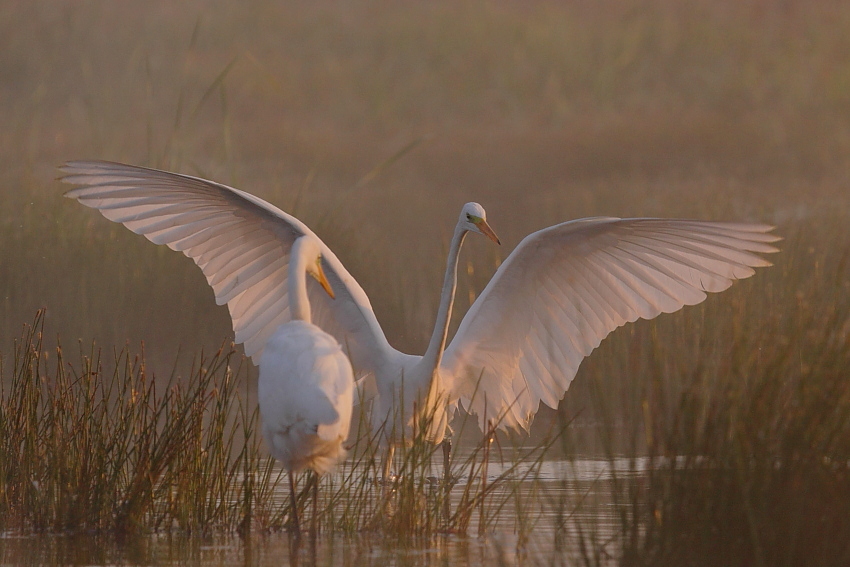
point(468, 217)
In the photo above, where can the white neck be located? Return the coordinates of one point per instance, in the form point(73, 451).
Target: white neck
point(299, 303)
point(434, 355)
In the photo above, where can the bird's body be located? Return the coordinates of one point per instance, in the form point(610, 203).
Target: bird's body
point(306, 385)
point(550, 303)
point(412, 390)
point(305, 392)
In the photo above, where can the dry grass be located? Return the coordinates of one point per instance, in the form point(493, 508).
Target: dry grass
point(738, 430)
point(104, 447)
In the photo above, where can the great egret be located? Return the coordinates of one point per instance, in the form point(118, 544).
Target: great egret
point(306, 385)
point(550, 303)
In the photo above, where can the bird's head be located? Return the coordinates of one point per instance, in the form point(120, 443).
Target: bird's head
point(474, 219)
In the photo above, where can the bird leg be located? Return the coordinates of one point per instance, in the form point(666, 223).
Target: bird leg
point(314, 520)
point(488, 440)
point(388, 463)
point(294, 525)
point(447, 479)
point(387, 483)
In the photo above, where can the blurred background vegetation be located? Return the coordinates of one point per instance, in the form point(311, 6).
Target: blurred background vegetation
point(374, 121)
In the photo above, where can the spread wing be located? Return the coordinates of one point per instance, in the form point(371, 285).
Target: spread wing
point(241, 243)
point(566, 287)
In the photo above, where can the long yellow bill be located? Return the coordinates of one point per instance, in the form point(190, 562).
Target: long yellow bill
point(323, 280)
point(486, 230)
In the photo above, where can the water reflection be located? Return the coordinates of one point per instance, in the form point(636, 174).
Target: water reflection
point(563, 498)
point(269, 549)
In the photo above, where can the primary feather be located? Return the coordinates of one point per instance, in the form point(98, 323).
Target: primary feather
point(241, 243)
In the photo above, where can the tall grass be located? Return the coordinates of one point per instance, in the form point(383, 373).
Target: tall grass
point(542, 111)
point(742, 460)
point(755, 470)
point(430, 490)
point(104, 447)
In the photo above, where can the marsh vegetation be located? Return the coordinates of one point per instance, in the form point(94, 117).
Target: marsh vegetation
point(724, 425)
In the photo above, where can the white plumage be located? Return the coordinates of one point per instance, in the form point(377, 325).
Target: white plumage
point(566, 287)
point(306, 395)
point(306, 385)
point(549, 304)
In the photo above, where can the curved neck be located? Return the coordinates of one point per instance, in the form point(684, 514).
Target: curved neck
point(299, 303)
point(434, 355)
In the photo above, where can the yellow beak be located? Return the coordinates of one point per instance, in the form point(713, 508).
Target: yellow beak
point(487, 231)
point(323, 280)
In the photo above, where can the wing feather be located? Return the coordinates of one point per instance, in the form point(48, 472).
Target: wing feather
point(240, 242)
point(565, 288)
point(206, 239)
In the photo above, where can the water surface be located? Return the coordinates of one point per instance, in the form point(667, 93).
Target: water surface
point(566, 496)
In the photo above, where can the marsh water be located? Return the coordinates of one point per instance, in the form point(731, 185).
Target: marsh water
point(563, 497)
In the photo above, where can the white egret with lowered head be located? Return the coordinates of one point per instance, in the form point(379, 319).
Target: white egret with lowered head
point(550, 303)
point(306, 385)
